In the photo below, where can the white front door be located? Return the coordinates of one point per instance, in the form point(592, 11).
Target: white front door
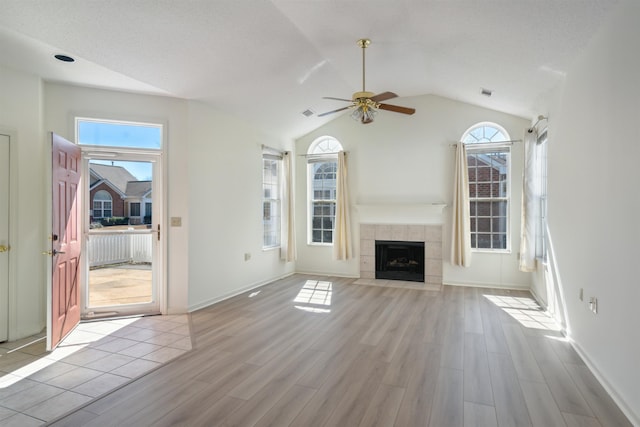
point(4, 237)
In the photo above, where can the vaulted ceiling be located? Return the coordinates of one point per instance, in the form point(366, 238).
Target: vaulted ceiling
point(270, 60)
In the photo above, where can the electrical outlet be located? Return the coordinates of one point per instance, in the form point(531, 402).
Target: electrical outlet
point(593, 304)
point(247, 256)
point(581, 294)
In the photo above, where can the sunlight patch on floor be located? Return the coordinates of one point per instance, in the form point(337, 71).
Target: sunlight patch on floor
point(314, 296)
point(526, 311)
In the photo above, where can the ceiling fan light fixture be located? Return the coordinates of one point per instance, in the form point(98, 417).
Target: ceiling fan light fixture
point(364, 114)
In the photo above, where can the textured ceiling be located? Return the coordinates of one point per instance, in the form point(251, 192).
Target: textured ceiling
point(269, 60)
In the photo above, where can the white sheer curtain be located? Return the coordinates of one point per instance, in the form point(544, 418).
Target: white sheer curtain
point(530, 202)
point(342, 230)
point(461, 234)
point(287, 229)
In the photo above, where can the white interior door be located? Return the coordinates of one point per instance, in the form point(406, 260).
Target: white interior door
point(4, 237)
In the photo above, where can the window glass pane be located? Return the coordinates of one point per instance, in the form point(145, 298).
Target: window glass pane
point(135, 209)
point(484, 225)
point(119, 134)
point(484, 241)
point(106, 213)
point(499, 208)
point(484, 208)
point(499, 241)
point(102, 195)
point(499, 225)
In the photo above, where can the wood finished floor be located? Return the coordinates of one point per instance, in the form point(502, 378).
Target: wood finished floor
point(317, 351)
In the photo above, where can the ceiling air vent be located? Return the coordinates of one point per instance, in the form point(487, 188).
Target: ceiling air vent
point(486, 92)
point(307, 113)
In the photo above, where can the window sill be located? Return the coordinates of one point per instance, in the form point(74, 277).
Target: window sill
point(270, 248)
point(492, 251)
point(320, 244)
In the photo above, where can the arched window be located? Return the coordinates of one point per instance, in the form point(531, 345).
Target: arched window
point(102, 205)
point(322, 164)
point(489, 166)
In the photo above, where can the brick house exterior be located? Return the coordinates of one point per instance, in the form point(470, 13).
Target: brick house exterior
point(119, 193)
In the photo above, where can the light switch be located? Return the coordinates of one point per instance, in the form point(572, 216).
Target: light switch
point(176, 221)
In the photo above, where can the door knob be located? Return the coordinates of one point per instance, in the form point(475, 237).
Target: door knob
point(4, 248)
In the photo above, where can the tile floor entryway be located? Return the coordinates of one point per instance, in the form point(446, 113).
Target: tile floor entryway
point(97, 357)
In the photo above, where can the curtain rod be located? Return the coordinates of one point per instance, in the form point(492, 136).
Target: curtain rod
point(274, 150)
point(481, 143)
point(321, 154)
point(540, 118)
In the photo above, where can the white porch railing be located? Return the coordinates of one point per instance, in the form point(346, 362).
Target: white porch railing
point(114, 247)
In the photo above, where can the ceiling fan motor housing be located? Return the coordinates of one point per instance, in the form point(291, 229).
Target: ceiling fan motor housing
point(359, 95)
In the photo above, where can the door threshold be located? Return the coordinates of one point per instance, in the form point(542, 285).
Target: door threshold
point(109, 315)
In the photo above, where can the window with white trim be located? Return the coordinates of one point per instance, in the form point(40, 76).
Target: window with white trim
point(271, 204)
point(489, 167)
point(102, 205)
point(322, 165)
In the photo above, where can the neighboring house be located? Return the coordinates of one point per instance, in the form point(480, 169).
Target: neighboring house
point(115, 192)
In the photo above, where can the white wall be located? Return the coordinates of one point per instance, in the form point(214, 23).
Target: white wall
point(20, 104)
point(408, 160)
point(225, 207)
point(594, 203)
point(63, 102)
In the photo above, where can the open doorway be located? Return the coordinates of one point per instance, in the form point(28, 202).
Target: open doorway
point(122, 224)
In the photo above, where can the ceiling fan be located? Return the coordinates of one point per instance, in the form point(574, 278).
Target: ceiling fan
point(365, 104)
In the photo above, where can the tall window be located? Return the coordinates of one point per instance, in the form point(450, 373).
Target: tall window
point(541, 230)
point(271, 204)
point(488, 160)
point(102, 205)
point(322, 164)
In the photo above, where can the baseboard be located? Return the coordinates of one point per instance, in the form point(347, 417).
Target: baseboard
point(250, 287)
point(328, 274)
point(510, 287)
point(541, 303)
point(624, 407)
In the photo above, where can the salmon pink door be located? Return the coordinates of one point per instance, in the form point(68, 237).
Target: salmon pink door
point(65, 240)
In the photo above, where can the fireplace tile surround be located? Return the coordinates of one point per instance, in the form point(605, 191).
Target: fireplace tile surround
point(430, 234)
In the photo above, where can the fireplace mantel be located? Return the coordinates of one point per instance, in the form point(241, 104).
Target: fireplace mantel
point(400, 213)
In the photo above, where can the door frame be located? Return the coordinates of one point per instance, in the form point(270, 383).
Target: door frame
point(12, 309)
point(159, 269)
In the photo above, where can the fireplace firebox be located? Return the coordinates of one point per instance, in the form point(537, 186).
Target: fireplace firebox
point(396, 260)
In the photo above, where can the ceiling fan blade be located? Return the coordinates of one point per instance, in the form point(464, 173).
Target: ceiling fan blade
point(333, 111)
point(337, 99)
point(396, 108)
point(383, 96)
